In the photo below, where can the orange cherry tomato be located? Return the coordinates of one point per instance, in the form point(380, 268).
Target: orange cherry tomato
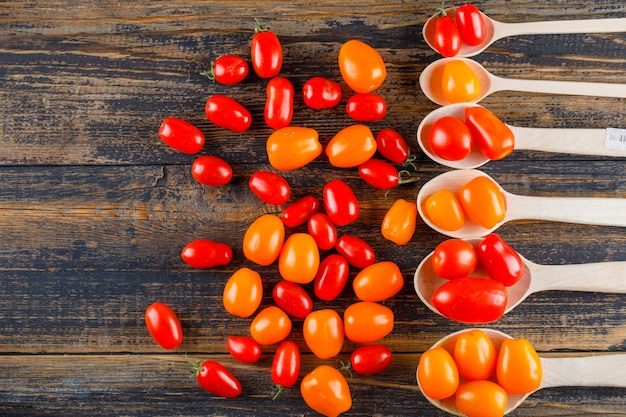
point(481, 398)
point(483, 202)
point(367, 322)
point(399, 222)
point(459, 83)
point(378, 282)
point(243, 293)
point(361, 66)
point(519, 368)
point(437, 374)
point(299, 259)
point(491, 135)
point(326, 391)
point(351, 146)
point(293, 147)
point(271, 325)
point(475, 355)
point(444, 210)
point(264, 239)
point(323, 333)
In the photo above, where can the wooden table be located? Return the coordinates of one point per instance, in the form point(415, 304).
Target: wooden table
point(95, 209)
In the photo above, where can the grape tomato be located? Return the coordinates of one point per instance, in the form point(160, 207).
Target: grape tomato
point(519, 369)
point(351, 146)
point(323, 332)
point(371, 359)
point(270, 187)
point(299, 258)
point(299, 212)
point(483, 202)
point(392, 145)
point(342, 206)
point(481, 398)
point(323, 230)
point(357, 252)
point(500, 261)
point(228, 69)
point(244, 348)
point(211, 170)
point(454, 258)
point(378, 281)
point(459, 83)
point(266, 52)
point(326, 391)
point(243, 292)
point(292, 147)
point(205, 253)
point(471, 24)
point(227, 113)
point(491, 135)
point(366, 107)
point(447, 40)
point(367, 322)
point(279, 102)
point(264, 239)
point(271, 325)
point(361, 66)
point(285, 366)
point(331, 278)
point(292, 299)
point(216, 379)
point(444, 209)
point(399, 223)
point(475, 355)
point(450, 138)
point(471, 300)
point(163, 325)
point(437, 373)
point(321, 93)
point(181, 135)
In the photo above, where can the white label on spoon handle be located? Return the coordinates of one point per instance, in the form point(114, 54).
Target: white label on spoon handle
point(615, 139)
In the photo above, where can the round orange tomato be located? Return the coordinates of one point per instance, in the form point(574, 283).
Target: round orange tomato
point(323, 333)
point(459, 83)
point(437, 374)
point(367, 322)
point(293, 147)
point(378, 282)
point(481, 398)
point(299, 258)
point(326, 391)
point(519, 367)
point(444, 210)
point(399, 222)
point(264, 239)
point(361, 66)
point(351, 146)
point(475, 355)
point(483, 202)
point(243, 293)
point(271, 325)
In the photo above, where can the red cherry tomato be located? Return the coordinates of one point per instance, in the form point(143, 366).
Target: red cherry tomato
point(279, 102)
point(366, 107)
point(331, 277)
point(450, 138)
point(163, 325)
point(292, 147)
point(471, 300)
point(447, 36)
point(361, 66)
point(367, 322)
point(340, 203)
point(381, 174)
point(292, 299)
point(299, 212)
point(491, 135)
point(370, 359)
point(454, 258)
point(471, 24)
point(323, 231)
point(357, 252)
point(228, 69)
point(181, 135)
point(266, 52)
point(270, 187)
point(214, 378)
point(204, 253)
point(392, 145)
point(500, 261)
point(211, 170)
point(285, 366)
point(243, 348)
point(227, 113)
point(321, 93)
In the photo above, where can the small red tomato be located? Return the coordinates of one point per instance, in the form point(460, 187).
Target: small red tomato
point(321, 93)
point(381, 174)
point(181, 135)
point(323, 231)
point(285, 366)
point(331, 278)
point(292, 299)
point(370, 359)
point(299, 212)
point(211, 170)
point(340, 203)
point(447, 37)
point(491, 135)
point(454, 258)
point(163, 325)
point(392, 145)
point(279, 102)
point(228, 69)
point(500, 261)
point(243, 348)
point(471, 300)
point(227, 113)
point(214, 378)
point(450, 138)
point(266, 52)
point(471, 24)
point(204, 253)
point(366, 107)
point(357, 252)
point(271, 188)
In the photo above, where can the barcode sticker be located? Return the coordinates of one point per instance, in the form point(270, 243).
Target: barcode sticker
point(615, 139)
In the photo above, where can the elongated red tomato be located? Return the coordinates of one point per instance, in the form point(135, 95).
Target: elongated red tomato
point(163, 325)
point(378, 282)
point(243, 292)
point(366, 107)
point(299, 212)
point(266, 52)
point(491, 135)
point(382, 175)
point(271, 325)
point(471, 24)
point(299, 258)
point(340, 203)
point(471, 300)
point(392, 145)
point(361, 66)
point(227, 113)
point(211, 170)
point(323, 231)
point(285, 366)
point(244, 348)
point(205, 253)
point(216, 379)
point(292, 299)
point(447, 39)
point(228, 69)
point(270, 187)
point(324, 333)
point(351, 146)
point(264, 239)
point(371, 359)
point(367, 322)
point(357, 252)
point(181, 135)
point(500, 261)
point(399, 222)
point(326, 391)
point(321, 93)
point(450, 138)
point(331, 277)
point(279, 102)
point(293, 147)
point(454, 258)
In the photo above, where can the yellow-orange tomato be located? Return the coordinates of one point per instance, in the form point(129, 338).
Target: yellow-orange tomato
point(481, 398)
point(367, 322)
point(361, 66)
point(444, 210)
point(299, 258)
point(271, 325)
point(475, 355)
point(323, 333)
point(519, 368)
point(437, 374)
point(459, 83)
point(243, 293)
point(378, 282)
point(264, 239)
point(351, 146)
point(326, 391)
point(483, 202)
point(399, 222)
point(293, 147)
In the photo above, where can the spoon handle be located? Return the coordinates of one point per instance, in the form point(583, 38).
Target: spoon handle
point(606, 277)
point(586, 371)
point(502, 30)
point(570, 141)
point(575, 88)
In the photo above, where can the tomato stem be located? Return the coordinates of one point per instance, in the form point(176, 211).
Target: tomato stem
point(196, 367)
point(410, 160)
point(346, 367)
point(260, 27)
point(276, 391)
point(210, 74)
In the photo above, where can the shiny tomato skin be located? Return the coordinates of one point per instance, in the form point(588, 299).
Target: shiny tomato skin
point(292, 147)
point(266, 52)
point(299, 212)
point(444, 209)
point(379, 174)
point(279, 102)
point(323, 231)
point(371, 359)
point(491, 135)
point(270, 187)
point(321, 93)
point(292, 299)
point(454, 258)
point(204, 253)
point(392, 145)
point(243, 292)
point(366, 107)
point(299, 258)
point(378, 281)
point(483, 202)
point(481, 398)
point(227, 113)
point(471, 24)
point(229, 69)
point(271, 325)
point(163, 325)
point(357, 252)
point(459, 83)
point(331, 277)
point(367, 322)
point(437, 373)
point(519, 369)
point(400, 221)
point(361, 66)
point(471, 300)
point(447, 39)
point(326, 391)
point(286, 364)
point(323, 333)
point(351, 146)
point(342, 206)
point(211, 170)
point(181, 135)
point(450, 138)
point(264, 239)
point(243, 348)
point(475, 355)
point(216, 379)
point(500, 261)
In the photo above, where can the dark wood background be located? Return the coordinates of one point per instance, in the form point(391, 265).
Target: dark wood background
point(94, 208)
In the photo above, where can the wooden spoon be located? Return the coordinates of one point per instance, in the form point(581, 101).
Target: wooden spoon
point(607, 370)
point(497, 30)
point(430, 82)
point(582, 210)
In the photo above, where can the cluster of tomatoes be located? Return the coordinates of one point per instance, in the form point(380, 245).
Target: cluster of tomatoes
point(478, 375)
point(467, 27)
